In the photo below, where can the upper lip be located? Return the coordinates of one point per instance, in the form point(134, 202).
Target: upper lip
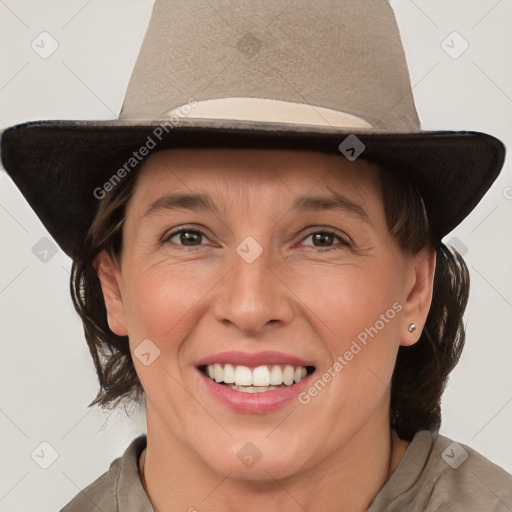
point(265, 357)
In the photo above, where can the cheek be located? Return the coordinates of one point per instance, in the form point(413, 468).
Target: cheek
point(162, 302)
point(356, 318)
point(162, 305)
point(357, 314)
point(351, 298)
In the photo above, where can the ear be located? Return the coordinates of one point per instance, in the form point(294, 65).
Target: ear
point(110, 278)
point(419, 290)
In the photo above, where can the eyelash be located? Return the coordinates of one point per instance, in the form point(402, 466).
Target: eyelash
point(344, 243)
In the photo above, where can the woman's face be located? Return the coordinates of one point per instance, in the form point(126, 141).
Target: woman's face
point(277, 260)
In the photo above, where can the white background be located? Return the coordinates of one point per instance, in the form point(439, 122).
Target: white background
point(47, 375)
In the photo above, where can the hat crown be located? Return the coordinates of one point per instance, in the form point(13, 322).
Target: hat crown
point(261, 75)
point(343, 55)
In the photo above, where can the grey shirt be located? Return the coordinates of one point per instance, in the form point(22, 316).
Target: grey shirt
point(435, 474)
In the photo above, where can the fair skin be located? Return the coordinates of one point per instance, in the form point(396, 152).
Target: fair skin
point(198, 298)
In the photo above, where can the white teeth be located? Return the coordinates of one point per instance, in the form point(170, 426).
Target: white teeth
point(260, 376)
point(243, 376)
point(288, 375)
point(229, 374)
point(251, 389)
point(257, 379)
point(218, 372)
point(276, 376)
point(299, 373)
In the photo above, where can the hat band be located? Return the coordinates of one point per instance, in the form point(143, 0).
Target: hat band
point(271, 110)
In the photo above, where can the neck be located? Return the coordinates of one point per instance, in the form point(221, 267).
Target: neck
point(348, 480)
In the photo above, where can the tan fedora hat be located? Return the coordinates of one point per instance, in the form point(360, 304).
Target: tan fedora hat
point(318, 75)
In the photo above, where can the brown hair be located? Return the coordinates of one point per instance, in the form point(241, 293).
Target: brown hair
point(421, 370)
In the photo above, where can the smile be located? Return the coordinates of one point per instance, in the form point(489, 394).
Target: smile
point(258, 379)
point(254, 382)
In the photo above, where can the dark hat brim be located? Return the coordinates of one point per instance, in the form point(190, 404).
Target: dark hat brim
point(57, 165)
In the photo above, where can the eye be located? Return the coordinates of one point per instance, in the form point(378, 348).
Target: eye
point(324, 239)
point(186, 237)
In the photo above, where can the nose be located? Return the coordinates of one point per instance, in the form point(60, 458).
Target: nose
point(253, 296)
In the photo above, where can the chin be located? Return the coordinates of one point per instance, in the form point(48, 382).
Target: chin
point(246, 462)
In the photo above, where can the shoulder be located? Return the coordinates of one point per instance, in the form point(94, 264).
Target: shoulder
point(466, 479)
point(106, 492)
point(439, 474)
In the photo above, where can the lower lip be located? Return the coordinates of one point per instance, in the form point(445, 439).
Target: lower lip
point(254, 403)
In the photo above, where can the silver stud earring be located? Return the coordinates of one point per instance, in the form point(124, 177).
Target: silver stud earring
point(412, 327)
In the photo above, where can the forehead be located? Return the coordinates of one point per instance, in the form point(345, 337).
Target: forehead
point(227, 171)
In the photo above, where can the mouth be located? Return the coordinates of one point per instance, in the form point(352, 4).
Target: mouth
point(259, 379)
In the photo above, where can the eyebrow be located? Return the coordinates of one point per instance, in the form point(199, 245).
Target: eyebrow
point(335, 201)
point(183, 201)
point(203, 202)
